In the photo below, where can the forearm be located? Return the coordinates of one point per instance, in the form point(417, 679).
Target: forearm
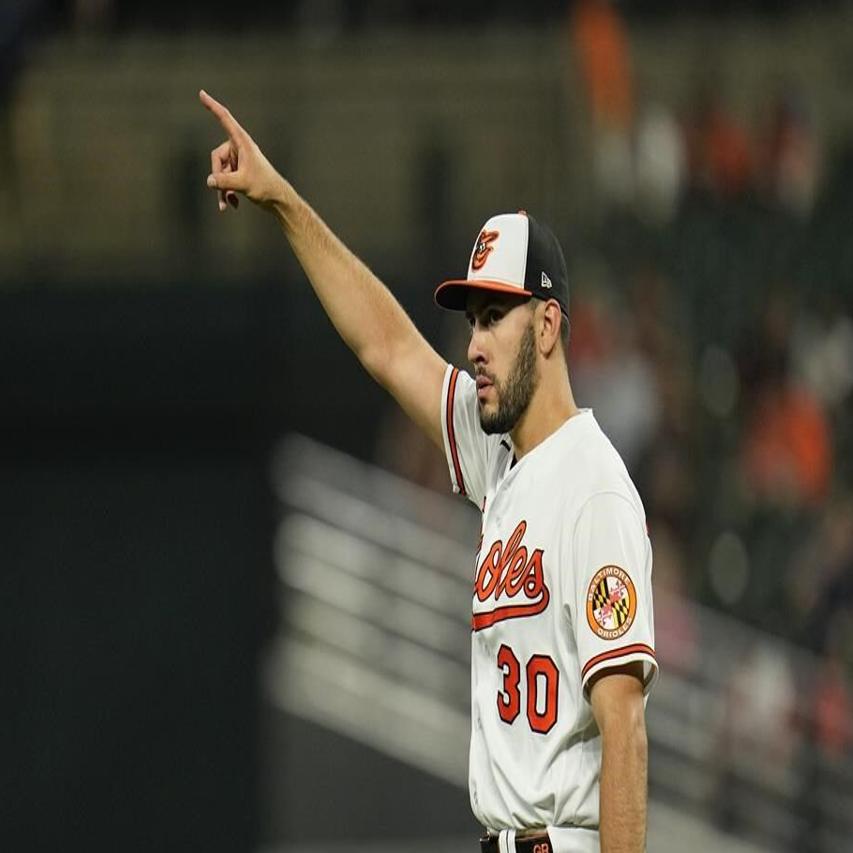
point(623, 789)
point(364, 312)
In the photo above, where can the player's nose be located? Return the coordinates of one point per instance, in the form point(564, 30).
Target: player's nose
point(476, 354)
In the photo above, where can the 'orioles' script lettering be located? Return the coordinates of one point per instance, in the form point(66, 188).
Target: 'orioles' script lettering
point(508, 572)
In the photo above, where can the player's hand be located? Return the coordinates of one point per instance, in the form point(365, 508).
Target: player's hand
point(238, 165)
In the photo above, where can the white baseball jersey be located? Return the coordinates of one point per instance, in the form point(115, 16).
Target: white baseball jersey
point(562, 590)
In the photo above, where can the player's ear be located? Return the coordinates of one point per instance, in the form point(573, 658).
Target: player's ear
point(549, 326)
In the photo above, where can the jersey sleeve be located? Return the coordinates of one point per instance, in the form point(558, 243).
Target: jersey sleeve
point(465, 444)
point(610, 598)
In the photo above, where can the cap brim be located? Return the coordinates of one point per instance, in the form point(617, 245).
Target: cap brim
point(453, 294)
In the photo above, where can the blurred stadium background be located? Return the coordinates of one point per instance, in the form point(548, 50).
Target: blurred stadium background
point(233, 586)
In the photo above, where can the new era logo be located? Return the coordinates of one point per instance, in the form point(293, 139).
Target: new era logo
point(546, 282)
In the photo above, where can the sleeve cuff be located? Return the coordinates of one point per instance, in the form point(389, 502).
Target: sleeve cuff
point(618, 657)
point(449, 431)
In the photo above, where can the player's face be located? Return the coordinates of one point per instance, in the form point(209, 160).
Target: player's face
point(503, 352)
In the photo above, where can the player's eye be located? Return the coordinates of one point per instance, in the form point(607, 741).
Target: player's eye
point(493, 315)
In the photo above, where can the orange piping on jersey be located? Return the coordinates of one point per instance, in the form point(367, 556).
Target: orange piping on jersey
point(451, 433)
point(513, 611)
point(624, 651)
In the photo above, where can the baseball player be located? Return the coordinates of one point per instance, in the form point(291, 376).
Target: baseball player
point(562, 654)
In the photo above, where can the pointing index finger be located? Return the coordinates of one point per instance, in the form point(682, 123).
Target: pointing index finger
point(228, 122)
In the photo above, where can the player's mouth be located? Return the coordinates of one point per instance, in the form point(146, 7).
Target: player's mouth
point(484, 385)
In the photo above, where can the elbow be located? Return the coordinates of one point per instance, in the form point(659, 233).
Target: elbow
point(383, 355)
point(375, 359)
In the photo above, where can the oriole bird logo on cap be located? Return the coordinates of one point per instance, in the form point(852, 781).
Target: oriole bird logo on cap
point(483, 248)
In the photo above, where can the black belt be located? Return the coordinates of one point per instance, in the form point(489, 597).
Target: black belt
point(539, 843)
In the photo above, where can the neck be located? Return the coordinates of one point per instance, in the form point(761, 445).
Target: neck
point(551, 406)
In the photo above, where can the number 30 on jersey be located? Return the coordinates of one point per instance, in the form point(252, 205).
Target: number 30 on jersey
point(541, 681)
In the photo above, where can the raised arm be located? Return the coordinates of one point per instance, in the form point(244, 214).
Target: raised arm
point(365, 313)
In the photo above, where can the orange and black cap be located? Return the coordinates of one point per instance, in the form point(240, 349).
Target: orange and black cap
point(513, 253)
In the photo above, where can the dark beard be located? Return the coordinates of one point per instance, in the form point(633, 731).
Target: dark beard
point(515, 395)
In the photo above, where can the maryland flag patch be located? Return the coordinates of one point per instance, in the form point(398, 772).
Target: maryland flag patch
point(611, 603)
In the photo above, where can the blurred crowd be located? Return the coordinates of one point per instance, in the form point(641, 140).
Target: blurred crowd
point(645, 154)
point(712, 333)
